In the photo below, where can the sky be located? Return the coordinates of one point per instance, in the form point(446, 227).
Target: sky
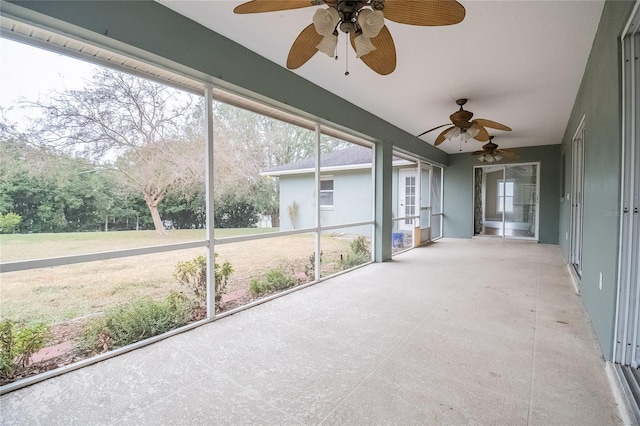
point(32, 73)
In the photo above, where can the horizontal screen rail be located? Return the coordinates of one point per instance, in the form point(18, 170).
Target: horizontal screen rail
point(229, 240)
point(23, 265)
point(397, 219)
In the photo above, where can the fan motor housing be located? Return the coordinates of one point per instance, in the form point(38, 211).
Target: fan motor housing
point(461, 119)
point(490, 146)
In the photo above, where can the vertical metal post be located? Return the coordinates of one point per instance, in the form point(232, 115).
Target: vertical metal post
point(211, 288)
point(317, 176)
point(418, 205)
point(374, 165)
point(441, 202)
point(504, 199)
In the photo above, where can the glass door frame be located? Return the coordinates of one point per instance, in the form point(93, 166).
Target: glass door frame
point(504, 167)
point(437, 175)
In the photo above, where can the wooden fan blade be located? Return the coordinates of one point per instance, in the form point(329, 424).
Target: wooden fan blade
point(478, 152)
point(441, 137)
point(507, 153)
point(508, 150)
point(431, 130)
point(483, 135)
point(304, 47)
point(383, 59)
point(259, 6)
point(491, 124)
point(424, 12)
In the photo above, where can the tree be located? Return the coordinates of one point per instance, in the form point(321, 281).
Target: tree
point(247, 143)
point(233, 209)
point(130, 125)
point(186, 209)
point(266, 196)
point(55, 192)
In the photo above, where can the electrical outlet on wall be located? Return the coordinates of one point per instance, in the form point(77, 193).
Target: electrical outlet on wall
point(600, 282)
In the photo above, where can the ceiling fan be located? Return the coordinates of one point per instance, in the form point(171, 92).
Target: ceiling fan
point(491, 153)
point(363, 20)
point(465, 128)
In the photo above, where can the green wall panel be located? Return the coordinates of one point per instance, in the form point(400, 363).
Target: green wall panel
point(599, 102)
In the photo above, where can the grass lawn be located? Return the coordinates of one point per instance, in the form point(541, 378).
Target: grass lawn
point(37, 246)
point(71, 291)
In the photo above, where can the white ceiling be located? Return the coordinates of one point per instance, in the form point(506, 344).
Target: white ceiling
point(517, 62)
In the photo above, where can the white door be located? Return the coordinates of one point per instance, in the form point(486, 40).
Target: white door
point(406, 198)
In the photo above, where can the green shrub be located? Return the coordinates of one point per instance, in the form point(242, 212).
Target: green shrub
point(9, 222)
point(360, 246)
point(351, 260)
point(235, 210)
point(275, 279)
point(18, 344)
point(193, 274)
point(134, 321)
point(359, 253)
point(293, 213)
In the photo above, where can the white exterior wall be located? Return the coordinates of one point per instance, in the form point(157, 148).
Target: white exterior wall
point(352, 200)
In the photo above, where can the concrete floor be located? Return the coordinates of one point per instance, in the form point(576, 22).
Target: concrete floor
point(480, 331)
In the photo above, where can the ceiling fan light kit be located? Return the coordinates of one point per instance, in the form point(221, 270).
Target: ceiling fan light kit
point(490, 158)
point(362, 21)
point(370, 23)
point(325, 22)
point(464, 128)
point(490, 153)
point(463, 134)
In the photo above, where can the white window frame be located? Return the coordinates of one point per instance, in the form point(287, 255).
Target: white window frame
point(327, 191)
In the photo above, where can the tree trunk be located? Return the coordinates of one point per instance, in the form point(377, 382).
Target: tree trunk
point(275, 220)
point(152, 203)
point(157, 222)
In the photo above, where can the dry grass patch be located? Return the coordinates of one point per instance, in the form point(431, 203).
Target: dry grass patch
point(67, 292)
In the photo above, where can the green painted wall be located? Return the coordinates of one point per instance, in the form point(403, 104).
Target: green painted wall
point(599, 101)
point(458, 192)
point(173, 39)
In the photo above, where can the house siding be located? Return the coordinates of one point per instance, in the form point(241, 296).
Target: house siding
point(352, 201)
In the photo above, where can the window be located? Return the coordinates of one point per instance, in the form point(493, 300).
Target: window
point(326, 192)
point(505, 196)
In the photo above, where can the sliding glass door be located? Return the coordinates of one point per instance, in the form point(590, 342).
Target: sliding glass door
point(506, 201)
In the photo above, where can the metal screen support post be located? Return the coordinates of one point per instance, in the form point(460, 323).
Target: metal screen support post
point(317, 264)
point(211, 290)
